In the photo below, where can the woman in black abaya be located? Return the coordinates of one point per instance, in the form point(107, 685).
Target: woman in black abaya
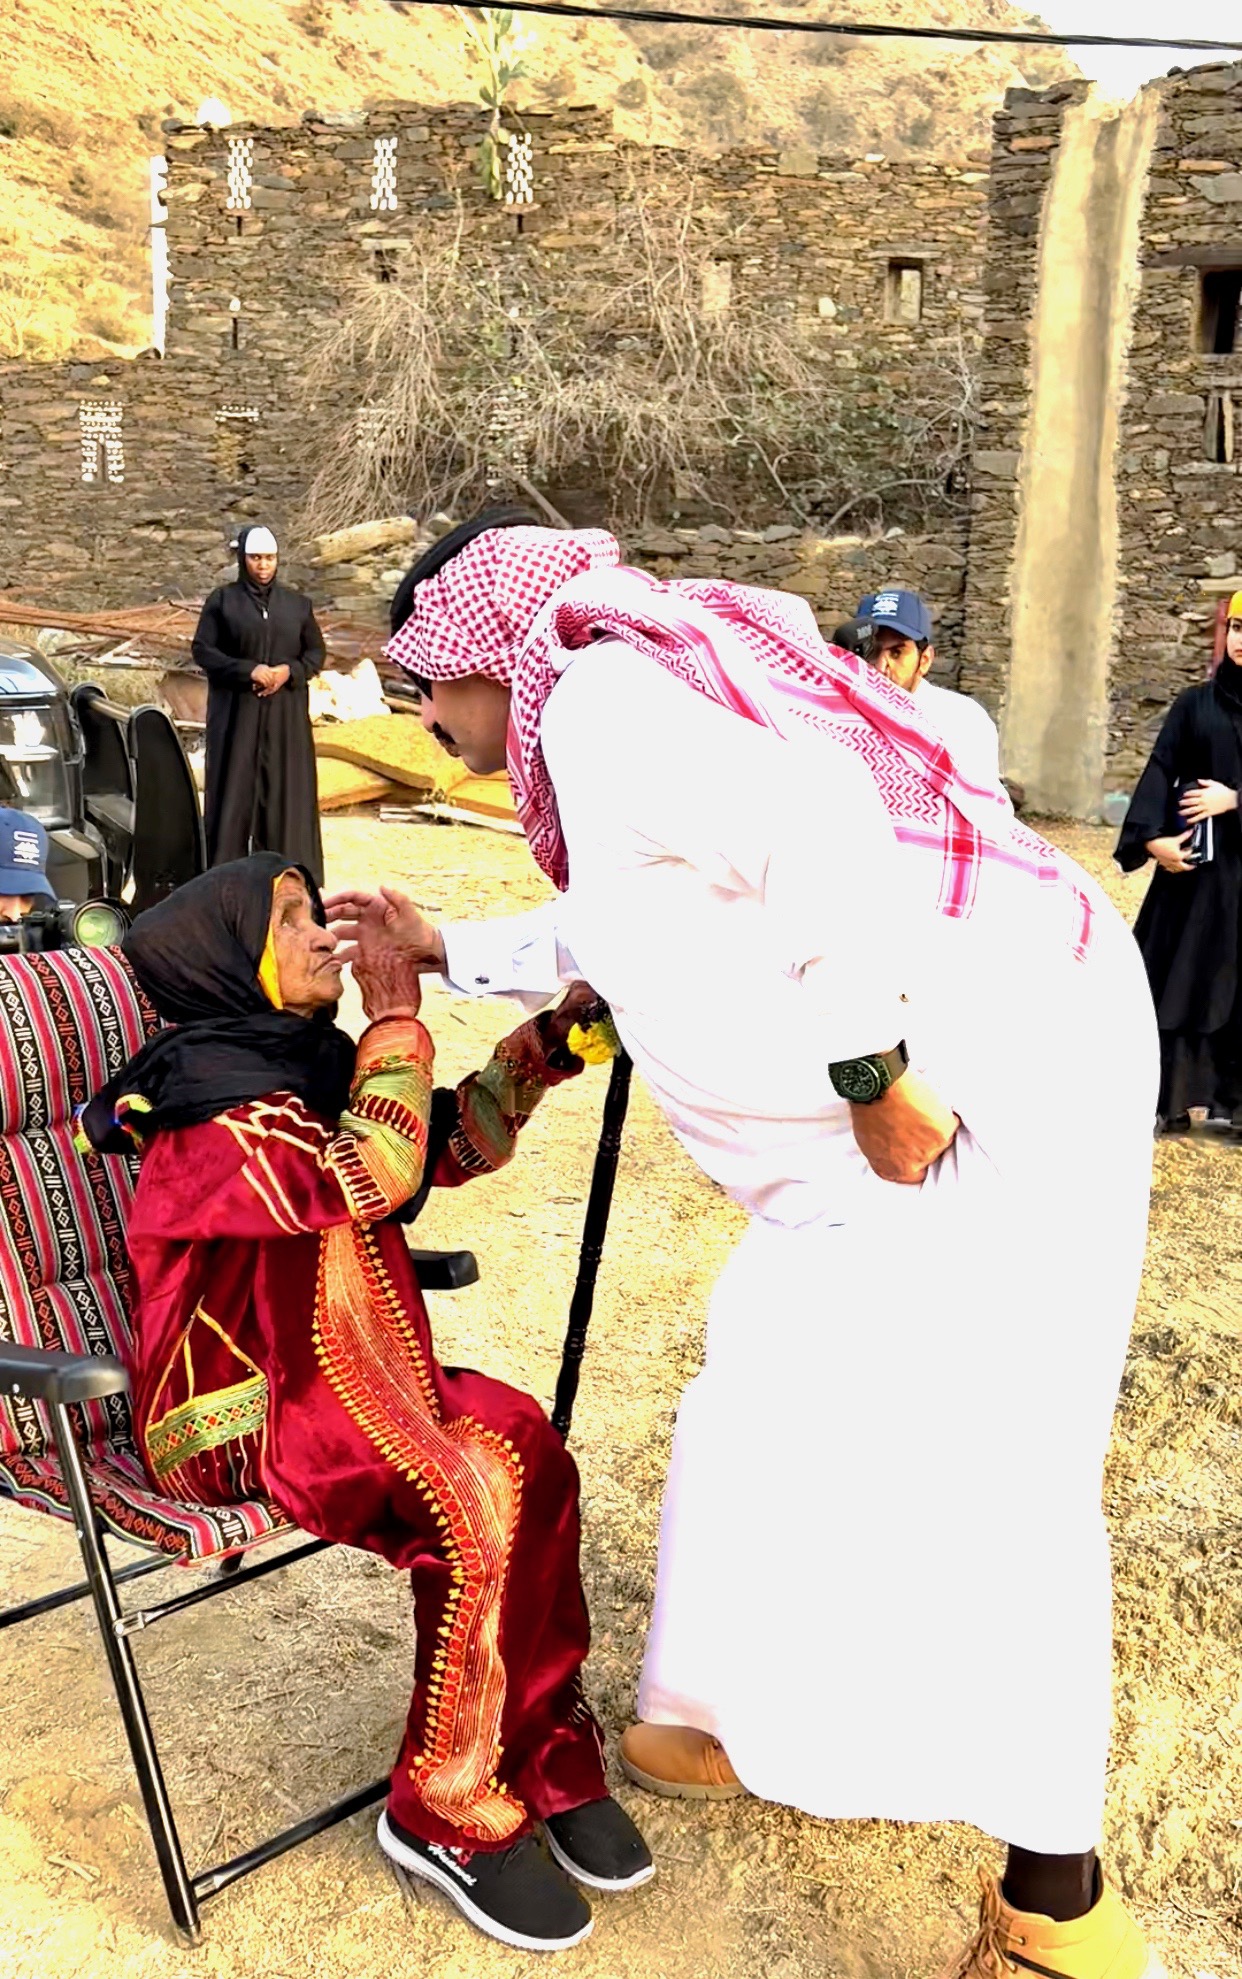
point(259, 645)
point(1189, 927)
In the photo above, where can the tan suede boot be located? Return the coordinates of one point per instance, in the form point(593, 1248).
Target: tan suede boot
point(1105, 1944)
point(678, 1761)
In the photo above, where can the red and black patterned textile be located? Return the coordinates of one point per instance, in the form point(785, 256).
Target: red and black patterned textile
point(68, 1022)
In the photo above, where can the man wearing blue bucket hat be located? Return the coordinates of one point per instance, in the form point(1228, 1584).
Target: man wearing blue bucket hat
point(23, 858)
point(899, 645)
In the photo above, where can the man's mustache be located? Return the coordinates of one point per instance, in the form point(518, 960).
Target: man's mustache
point(442, 736)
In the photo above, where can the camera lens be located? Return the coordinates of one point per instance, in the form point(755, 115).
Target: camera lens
point(99, 924)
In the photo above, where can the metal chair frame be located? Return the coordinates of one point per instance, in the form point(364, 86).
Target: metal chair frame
point(57, 1381)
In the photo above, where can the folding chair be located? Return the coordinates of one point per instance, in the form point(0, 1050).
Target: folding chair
point(68, 1021)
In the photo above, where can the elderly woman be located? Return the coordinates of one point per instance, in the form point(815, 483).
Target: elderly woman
point(282, 1347)
point(259, 646)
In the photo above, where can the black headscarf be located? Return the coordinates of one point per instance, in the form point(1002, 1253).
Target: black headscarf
point(1227, 682)
point(197, 956)
point(259, 592)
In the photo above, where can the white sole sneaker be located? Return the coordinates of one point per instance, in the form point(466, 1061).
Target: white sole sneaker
point(571, 1868)
point(442, 1880)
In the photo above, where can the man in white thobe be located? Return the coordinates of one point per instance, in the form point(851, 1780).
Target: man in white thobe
point(883, 1583)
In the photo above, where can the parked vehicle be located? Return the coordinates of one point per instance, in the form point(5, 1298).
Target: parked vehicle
point(113, 790)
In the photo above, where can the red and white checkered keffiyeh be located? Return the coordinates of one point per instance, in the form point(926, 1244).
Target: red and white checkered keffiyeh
point(518, 605)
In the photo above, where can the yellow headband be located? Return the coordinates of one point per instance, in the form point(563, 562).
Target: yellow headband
point(1235, 605)
point(269, 973)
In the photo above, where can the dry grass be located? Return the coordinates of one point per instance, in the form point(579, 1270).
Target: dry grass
point(295, 1690)
point(470, 370)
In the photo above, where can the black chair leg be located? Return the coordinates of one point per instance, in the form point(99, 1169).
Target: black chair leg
point(177, 1885)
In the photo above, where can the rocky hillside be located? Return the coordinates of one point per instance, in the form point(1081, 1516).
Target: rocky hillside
point(84, 89)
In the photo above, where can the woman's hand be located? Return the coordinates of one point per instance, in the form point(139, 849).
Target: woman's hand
point(1168, 853)
point(1207, 799)
point(411, 931)
point(389, 983)
point(271, 680)
point(904, 1131)
point(574, 1008)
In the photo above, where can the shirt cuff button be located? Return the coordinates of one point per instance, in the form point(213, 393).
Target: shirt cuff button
point(482, 981)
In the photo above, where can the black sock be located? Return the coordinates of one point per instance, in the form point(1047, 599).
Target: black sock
point(1057, 1886)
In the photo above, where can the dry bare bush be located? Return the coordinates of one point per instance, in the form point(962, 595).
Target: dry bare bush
point(468, 374)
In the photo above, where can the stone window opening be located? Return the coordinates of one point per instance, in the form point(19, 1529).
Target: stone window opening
point(239, 173)
point(235, 323)
point(236, 426)
point(519, 186)
point(103, 448)
point(384, 176)
point(1220, 302)
point(1220, 430)
point(903, 292)
point(715, 288)
point(384, 264)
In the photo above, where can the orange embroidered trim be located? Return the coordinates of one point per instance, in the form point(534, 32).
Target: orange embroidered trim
point(472, 1481)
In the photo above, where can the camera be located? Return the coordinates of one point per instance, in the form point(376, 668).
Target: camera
point(68, 924)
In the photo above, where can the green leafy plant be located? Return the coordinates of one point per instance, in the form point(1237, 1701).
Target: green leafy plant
point(497, 45)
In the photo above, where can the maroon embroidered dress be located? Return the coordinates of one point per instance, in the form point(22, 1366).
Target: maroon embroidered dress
point(283, 1347)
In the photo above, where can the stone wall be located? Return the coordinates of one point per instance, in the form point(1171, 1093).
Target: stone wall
point(1180, 507)
point(1167, 541)
point(1026, 135)
point(264, 227)
point(831, 573)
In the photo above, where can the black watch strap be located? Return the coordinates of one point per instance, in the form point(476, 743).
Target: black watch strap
point(863, 1080)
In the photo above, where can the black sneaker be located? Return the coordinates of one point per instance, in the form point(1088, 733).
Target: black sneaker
point(514, 1894)
point(598, 1845)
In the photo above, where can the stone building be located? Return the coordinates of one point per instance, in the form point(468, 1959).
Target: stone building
point(1093, 275)
point(1107, 522)
point(124, 480)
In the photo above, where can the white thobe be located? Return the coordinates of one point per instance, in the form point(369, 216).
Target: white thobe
point(968, 729)
point(883, 1576)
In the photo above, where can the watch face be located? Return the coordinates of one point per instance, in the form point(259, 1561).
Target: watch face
point(858, 1080)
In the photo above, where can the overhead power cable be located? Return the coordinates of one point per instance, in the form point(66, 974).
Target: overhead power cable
point(853, 30)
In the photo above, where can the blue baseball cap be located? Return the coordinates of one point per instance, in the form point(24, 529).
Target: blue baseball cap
point(900, 611)
point(23, 855)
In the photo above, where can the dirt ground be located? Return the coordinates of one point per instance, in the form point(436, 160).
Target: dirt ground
point(272, 1699)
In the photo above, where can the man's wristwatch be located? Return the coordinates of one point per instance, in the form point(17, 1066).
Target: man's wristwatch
point(862, 1080)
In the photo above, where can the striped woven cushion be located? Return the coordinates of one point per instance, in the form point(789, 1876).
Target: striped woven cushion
point(68, 1021)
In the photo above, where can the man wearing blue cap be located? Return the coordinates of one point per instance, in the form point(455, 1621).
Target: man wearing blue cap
point(900, 647)
point(23, 857)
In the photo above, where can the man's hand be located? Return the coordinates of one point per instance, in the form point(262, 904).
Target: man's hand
point(417, 938)
point(904, 1131)
point(1207, 799)
point(1168, 853)
point(270, 680)
point(389, 982)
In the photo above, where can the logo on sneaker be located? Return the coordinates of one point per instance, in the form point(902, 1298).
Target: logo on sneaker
point(454, 1859)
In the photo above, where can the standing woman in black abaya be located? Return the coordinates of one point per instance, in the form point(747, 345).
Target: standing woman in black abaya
point(1189, 927)
point(259, 645)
